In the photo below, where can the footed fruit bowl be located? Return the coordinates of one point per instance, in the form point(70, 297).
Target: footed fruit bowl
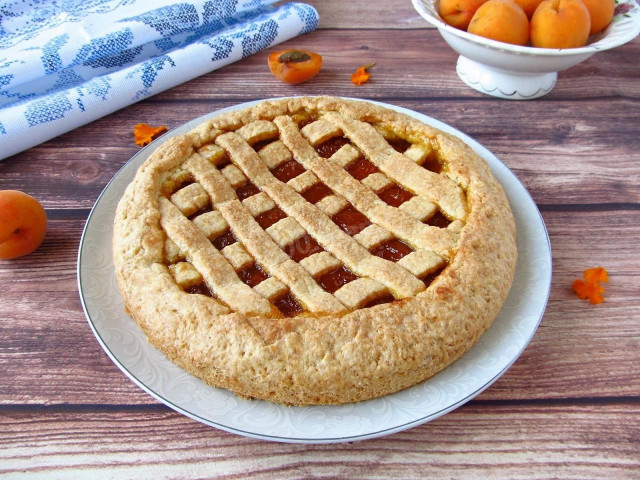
point(522, 73)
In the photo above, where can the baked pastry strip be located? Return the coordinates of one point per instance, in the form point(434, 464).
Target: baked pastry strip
point(434, 187)
point(218, 274)
point(277, 263)
point(417, 234)
point(357, 258)
point(259, 244)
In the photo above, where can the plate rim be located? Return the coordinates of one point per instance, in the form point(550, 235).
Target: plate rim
point(474, 144)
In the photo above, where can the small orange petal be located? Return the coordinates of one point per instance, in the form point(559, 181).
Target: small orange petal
point(361, 75)
point(143, 134)
point(598, 274)
point(590, 291)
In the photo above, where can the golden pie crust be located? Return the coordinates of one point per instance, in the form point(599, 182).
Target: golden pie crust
point(314, 250)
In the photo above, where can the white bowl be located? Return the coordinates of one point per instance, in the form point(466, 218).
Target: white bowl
point(522, 73)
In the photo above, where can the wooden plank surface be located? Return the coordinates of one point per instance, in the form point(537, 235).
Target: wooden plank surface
point(475, 441)
point(568, 408)
point(397, 14)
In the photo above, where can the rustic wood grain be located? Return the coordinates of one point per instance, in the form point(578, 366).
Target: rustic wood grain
point(339, 14)
point(476, 441)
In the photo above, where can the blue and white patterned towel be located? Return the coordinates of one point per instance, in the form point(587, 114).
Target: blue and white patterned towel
point(65, 63)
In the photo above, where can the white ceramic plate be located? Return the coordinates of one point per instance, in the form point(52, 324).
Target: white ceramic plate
point(497, 349)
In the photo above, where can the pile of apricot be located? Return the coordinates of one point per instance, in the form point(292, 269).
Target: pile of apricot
point(538, 23)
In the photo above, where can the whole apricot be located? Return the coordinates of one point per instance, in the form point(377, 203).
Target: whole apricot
point(23, 223)
point(458, 13)
point(501, 20)
point(529, 6)
point(560, 24)
point(601, 13)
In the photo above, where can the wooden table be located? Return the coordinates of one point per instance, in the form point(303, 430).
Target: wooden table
point(568, 408)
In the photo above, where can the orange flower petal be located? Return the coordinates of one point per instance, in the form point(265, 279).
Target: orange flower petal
point(361, 75)
point(598, 274)
point(143, 134)
point(590, 291)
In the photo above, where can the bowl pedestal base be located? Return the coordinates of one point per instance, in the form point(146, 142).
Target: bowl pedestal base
point(502, 83)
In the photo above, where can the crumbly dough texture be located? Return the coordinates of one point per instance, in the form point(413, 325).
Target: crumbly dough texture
point(189, 292)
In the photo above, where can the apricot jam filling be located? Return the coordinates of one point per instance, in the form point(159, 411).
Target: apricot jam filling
point(430, 277)
point(331, 146)
point(350, 220)
point(392, 250)
point(262, 143)
point(200, 289)
point(224, 240)
point(288, 305)
point(336, 278)
point(432, 164)
point(224, 161)
point(306, 119)
point(268, 218)
point(316, 192)
point(207, 208)
point(361, 168)
point(288, 170)
point(395, 195)
point(303, 247)
point(438, 220)
point(388, 298)
point(252, 275)
point(246, 190)
point(399, 144)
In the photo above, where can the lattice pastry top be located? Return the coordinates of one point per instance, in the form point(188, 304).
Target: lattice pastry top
point(314, 250)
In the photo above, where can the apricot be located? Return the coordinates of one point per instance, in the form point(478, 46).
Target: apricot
point(294, 66)
point(529, 6)
point(601, 13)
point(23, 223)
point(560, 24)
point(501, 20)
point(458, 13)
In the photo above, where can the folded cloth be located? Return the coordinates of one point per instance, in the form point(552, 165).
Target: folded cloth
point(65, 63)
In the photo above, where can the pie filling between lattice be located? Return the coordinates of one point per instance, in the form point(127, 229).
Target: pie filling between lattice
point(301, 210)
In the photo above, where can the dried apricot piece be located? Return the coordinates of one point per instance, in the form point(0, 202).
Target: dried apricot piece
point(294, 66)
